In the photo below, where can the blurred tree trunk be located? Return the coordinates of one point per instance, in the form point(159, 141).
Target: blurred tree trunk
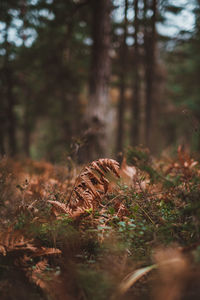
point(2, 128)
point(2, 114)
point(10, 113)
point(197, 46)
point(122, 78)
point(11, 121)
point(26, 136)
point(136, 84)
point(99, 79)
point(149, 49)
point(27, 124)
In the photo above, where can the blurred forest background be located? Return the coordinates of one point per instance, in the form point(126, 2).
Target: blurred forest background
point(87, 78)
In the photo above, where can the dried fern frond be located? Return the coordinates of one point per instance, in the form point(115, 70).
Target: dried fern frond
point(14, 240)
point(96, 173)
point(58, 208)
point(45, 251)
point(91, 184)
point(92, 176)
point(108, 165)
point(37, 274)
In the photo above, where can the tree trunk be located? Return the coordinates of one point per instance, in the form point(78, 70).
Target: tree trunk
point(136, 83)
point(26, 139)
point(27, 125)
point(11, 121)
point(123, 70)
point(149, 47)
point(99, 81)
point(2, 126)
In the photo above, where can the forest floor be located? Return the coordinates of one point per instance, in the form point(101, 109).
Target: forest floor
point(102, 231)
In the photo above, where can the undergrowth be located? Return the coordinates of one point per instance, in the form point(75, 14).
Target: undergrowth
point(80, 233)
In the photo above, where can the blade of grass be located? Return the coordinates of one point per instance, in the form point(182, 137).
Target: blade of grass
point(134, 276)
point(131, 278)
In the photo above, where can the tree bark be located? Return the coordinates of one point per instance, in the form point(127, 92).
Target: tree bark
point(136, 83)
point(10, 114)
point(27, 124)
point(149, 47)
point(11, 121)
point(123, 70)
point(99, 80)
point(2, 125)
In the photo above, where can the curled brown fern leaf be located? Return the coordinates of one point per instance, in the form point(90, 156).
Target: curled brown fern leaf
point(92, 184)
point(43, 251)
point(36, 275)
point(58, 208)
point(14, 241)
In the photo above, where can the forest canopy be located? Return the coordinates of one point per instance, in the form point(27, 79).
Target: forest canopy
point(87, 78)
